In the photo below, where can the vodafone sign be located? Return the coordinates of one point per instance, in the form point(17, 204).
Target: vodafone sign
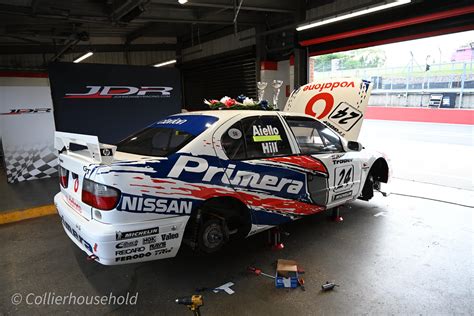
point(339, 103)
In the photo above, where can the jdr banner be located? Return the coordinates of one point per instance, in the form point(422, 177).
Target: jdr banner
point(27, 128)
point(112, 101)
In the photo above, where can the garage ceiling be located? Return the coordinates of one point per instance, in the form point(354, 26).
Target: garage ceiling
point(58, 27)
point(41, 25)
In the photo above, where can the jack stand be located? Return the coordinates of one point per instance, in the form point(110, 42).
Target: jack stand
point(335, 215)
point(274, 238)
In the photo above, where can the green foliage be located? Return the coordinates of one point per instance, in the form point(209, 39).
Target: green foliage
point(362, 58)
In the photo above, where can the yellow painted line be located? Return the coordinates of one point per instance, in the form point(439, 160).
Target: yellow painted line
point(20, 215)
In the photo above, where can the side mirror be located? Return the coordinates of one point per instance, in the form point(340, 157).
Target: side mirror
point(355, 146)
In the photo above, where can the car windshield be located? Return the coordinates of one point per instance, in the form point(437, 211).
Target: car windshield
point(166, 136)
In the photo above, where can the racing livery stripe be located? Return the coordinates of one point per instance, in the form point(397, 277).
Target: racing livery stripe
point(253, 200)
point(306, 162)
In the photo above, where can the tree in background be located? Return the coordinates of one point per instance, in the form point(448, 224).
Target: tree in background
point(361, 58)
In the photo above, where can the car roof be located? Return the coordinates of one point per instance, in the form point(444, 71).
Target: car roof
point(226, 114)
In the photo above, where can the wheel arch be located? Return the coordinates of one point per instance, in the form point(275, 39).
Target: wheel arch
point(380, 170)
point(232, 209)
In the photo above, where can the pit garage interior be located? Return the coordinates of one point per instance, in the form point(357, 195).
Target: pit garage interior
point(409, 252)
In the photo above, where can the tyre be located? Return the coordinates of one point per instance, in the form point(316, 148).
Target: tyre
point(368, 189)
point(212, 236)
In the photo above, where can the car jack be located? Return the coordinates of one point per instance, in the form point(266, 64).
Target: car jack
point(274, 238)
point(336, 217)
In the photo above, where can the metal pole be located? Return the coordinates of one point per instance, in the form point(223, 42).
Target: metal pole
point(463, 77)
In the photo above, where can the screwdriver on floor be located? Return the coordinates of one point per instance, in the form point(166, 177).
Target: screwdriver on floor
point(259, 272)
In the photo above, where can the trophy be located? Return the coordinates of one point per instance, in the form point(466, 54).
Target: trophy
point(261, 85)
point(276, 84)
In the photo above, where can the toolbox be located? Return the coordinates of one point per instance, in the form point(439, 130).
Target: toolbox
point(286, 274)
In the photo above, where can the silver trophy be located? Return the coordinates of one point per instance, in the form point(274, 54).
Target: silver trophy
point(276, 84)
point(261, 85)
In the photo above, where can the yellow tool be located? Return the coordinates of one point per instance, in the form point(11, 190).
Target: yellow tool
point(192, 302)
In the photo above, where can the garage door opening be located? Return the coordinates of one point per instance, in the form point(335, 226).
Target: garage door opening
point(434, 72)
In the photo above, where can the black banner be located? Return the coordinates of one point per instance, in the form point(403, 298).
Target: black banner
point(112, 101)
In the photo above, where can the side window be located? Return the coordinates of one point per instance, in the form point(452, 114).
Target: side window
point(233, 142)
point(312, 136)
point(265, 137)
point(256, 137)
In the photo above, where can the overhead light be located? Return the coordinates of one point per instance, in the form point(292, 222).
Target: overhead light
point(86, 55)
point(353, 14)
point(182, 1)
point(169, 62)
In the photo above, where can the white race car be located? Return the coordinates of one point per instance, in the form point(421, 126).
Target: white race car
point(205, 178)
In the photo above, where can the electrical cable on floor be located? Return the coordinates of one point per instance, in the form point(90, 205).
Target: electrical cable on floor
point(436, 200)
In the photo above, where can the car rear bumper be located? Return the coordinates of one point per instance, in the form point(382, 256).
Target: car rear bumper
point(112, 244)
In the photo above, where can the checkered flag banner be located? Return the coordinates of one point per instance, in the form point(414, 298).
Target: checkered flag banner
point(29, 163)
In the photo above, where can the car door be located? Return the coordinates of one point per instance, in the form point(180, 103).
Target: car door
point(343, 167)
point(246, 148)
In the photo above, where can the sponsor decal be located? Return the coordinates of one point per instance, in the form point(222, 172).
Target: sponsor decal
point(342, 195)
point(329, 86)
point(345, 115)
point(154, 205)
point(266, 133)
point(343, 178)
point(240, 178)
point(133, 257)
point(27, 111)
point(73, 203)
point(109, 92)
point(234, 133)
point(268, 136)
point(76, 235)
point(159, 245)
point(126, 244)
point(172, 121)
point(137, 233)
point(169, 236)
point(76, 184)
point(105, 152)
point(149, 240)
point(163, 251)
point(337, 156)
point(129, 251)
point(341, 161)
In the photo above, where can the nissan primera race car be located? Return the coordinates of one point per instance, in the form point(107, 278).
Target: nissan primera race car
point(204, 178)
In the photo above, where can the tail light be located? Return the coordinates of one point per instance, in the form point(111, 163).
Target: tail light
point(63, 177)
point(99, 196)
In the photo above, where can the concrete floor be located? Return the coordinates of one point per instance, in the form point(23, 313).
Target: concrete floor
point(26, 194)
point(415, 258)
point(394, 255)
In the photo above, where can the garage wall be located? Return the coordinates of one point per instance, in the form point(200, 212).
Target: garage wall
point(221, 45)
point(214, 77)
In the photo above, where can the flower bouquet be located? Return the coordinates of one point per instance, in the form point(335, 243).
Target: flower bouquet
point(240, 103)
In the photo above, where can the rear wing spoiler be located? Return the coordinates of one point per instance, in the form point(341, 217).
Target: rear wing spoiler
point(99, 153)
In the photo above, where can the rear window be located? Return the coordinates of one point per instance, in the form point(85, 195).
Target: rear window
point(166, 136)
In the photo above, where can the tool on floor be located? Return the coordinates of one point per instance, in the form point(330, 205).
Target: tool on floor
point(328, 286)
point(286, 274)
point(193, 302)
point(274, 238)
point(225, 287)
point(257, 271)
point(301, 283)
